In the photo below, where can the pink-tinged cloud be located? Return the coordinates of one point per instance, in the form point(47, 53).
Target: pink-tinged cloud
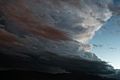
point(55, 33)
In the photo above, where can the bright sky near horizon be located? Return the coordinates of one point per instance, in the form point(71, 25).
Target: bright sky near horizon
point(106, 42)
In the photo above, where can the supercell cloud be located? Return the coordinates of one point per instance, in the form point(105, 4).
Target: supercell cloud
point(53, 34)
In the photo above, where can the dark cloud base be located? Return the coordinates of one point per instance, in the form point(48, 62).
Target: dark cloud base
point(59, 68)
point(32, 75)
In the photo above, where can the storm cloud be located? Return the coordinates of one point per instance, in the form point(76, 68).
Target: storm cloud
point(53, 35)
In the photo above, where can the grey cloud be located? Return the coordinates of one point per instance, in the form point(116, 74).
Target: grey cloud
point(112, 48)
point(77, 18)
point(53, 62)
point(97, 45)
point(79, 21)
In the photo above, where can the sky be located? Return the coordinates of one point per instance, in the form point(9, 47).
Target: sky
point(47, 37)
point(106, 42)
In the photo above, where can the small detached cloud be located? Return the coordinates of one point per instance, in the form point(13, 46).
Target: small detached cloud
point(97, 45)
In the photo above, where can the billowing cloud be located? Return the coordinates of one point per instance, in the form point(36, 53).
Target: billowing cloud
point(54, 34)
point(76, 20)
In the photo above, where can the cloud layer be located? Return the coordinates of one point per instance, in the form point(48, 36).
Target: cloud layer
point(53, 34)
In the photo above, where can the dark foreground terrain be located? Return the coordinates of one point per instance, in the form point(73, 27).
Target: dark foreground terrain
point(31, 75)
